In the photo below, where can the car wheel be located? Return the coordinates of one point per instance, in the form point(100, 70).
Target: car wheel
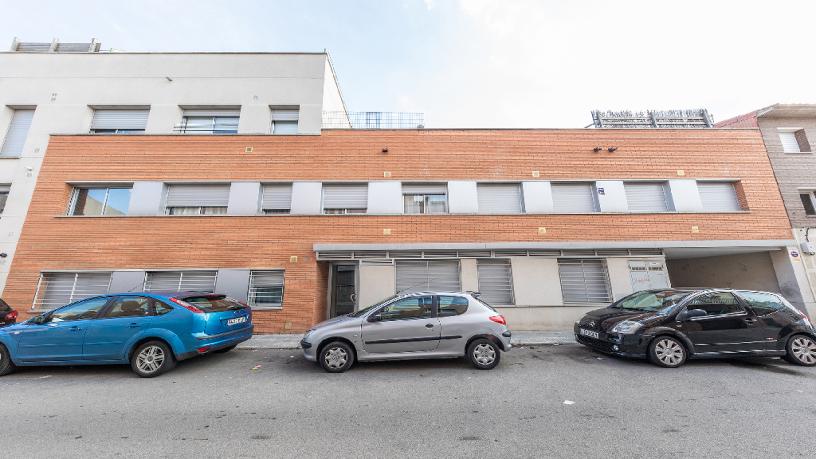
point(668, 352)
point(6, 365)
point(802, 350)
point(336, 357)
point(484, 354)
point(152, 359)
point(225, 350)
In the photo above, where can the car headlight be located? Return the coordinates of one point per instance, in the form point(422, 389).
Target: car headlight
point(306, 336)
point(626, 327)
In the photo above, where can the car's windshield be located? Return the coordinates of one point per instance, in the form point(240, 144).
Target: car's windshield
point(364, 311)
point(213, 303)
point(660, 301)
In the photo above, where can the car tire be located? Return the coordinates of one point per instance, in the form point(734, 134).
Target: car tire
point(667, 352)
point(336, 357)
point(801, 350)
point(6, 365)
point(151, 359)
point(484, 354)
point(225, 350)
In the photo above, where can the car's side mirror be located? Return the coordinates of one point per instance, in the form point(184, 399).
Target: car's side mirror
point(690, 314)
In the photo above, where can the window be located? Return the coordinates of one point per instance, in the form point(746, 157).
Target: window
point(452, 305)
point(715, 304)
point(648, 196)
point(285, 121)
point(100, 201)
point(574, 198)
point(345, 199)
point(762, 303)
point(265, 289)
point(84, 310)
point(584, 281)
point(425, 199)
point(276, 199)
point(418, 307)
point(809, 202)
point(17, 133)
point(119, 121)
point(419, 275)
point(495, 281)
point(180, 281)
point(197, 199)
point(4, 192)
point(215, 121)
point(132, 306)
point(499, 198)
point(57, 289)
point(719, 197)
point(794, 141)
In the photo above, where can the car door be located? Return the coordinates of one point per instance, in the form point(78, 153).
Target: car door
point(726, 327)
point(772, 315)
point(126, 316)
point(62, 334)
point(406, 325)
point(455, 326)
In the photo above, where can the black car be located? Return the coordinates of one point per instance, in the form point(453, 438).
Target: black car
point(670, 325)
point(8, 315)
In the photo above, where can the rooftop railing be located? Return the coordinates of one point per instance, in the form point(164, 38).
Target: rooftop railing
point(373, 120)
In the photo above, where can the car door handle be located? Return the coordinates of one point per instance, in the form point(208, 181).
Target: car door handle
point(134, 325)
point(429, 325)
point(75, 328)
point(750, 320)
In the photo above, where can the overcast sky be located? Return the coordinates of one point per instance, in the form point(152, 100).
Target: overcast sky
point(482, 63)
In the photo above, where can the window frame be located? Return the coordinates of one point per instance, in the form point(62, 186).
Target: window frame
point(5, 189)
point(37, 303)
point(593, 194)
point(496, 261)
point(250, 287)
point(455, 297)
point(426, 197)
point(100, 313)
point(182, 272)
point(343, 210)
point(377, 315)
point(800, 137)
point(487, 185)
point(737, 300)
point(72, 203)
point(811, 196)
point(607, 281)
point(668, 201)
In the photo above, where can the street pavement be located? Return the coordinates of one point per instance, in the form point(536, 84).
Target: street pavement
point(545, 401)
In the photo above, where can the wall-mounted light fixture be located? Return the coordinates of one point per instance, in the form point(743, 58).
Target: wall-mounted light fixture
point(611, 149)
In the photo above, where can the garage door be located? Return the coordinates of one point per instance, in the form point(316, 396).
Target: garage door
point(420, 275)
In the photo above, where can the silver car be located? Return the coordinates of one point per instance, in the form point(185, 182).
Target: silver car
point(411, 326)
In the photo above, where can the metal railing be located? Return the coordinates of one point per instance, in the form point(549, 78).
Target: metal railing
point(373, 120)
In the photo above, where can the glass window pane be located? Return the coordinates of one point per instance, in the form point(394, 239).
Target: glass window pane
point(226, 125)
point(437, 204)
point(408, 308)
point(213, 210)
point(716, 303)
point(118, 201)
point(3, 199)
point(83, 310)
point(89, 201)
point(184, 210)
point(131, 306)
point(452, 305)
point(762, 303)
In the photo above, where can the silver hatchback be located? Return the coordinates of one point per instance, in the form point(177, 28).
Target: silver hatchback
point(411, 326)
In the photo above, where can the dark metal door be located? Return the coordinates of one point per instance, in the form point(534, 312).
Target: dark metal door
point(344, 290)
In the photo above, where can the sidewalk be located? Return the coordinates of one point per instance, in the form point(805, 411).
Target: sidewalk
point(520, 338)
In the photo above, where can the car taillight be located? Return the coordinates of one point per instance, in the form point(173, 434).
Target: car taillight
point(187, 306)
point(11, 316)
point(498, 320)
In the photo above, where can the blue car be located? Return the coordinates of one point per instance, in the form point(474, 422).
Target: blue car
point(150, 331)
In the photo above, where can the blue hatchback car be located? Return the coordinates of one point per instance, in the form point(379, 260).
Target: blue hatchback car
point(151, 331)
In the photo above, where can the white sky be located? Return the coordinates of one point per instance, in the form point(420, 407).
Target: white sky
point(483, 63)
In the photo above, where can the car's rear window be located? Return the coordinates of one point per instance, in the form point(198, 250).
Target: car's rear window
point(213, 303)
point(4, 307)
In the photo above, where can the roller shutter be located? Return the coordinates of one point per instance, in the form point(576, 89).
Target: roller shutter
point(17, 133)
point(130, 120)
point(277, 198)
point(345, 196)
point(421, 275)
point(719, 197)
point(180, 281)
point(499, 198)
point(578, 198)
point(647, 197)
point(197, 195)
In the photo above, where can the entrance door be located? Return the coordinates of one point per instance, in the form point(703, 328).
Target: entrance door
point(344, 289)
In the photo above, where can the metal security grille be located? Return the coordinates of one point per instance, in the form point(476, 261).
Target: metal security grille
point(584, 281)
point(266, 289)
point(647, 196)
point(496, 281)
point(180, 281)
point(578, 198)
point(345, 198)
point(58, 289)
point(719, 197)
point(17, 133)
point(276, 199)
point(499, 198)
point(197, 195)
point(418, 275)
point(119, 120)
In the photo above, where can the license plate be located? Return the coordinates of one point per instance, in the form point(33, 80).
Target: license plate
point(589, 333)
point(236, 321)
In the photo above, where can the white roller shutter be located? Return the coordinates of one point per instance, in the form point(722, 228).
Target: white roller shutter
point(719, 197)
point(584, 281)
point(277, 198)
point(422, 275)
point(197, 195)
point(279, 114)
point(499, 198)
point(578, 198)
point(58, 289)
point(789, 142)
point(17, 133)
point(180, 281)
point(424, 188)
point(647, 196)
point(496, 281)
point(214, 112)
point(345, 196)
point(128, 119)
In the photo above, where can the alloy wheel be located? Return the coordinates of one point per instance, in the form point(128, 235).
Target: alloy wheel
point(669, 352)
point(150, 359)
point(335, 358)
point(804, 350)
point(484, 354)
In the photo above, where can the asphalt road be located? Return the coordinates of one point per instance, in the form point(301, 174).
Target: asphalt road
point(219, 406)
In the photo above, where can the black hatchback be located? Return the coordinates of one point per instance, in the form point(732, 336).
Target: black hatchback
point(8, 315)
point(668, 326)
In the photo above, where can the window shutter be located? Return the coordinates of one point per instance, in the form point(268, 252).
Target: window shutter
point(574, 198)
point(58, 289)
point(197, 195)
point(285, 121)
point(647, 197)
point(584, 281)
point(214, 112)
point(414, 188)
point(719, 196)
point(495, 281)
point(266, 288)
point(285, 114)
point(421, 275)
point(345, 196)
point(789, 142)
point(499, 198)
point(17, 132)
point(133, 119)
point(180, 281)
point(277, 197)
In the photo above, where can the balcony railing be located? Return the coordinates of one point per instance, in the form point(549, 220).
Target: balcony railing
point(373, 120)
